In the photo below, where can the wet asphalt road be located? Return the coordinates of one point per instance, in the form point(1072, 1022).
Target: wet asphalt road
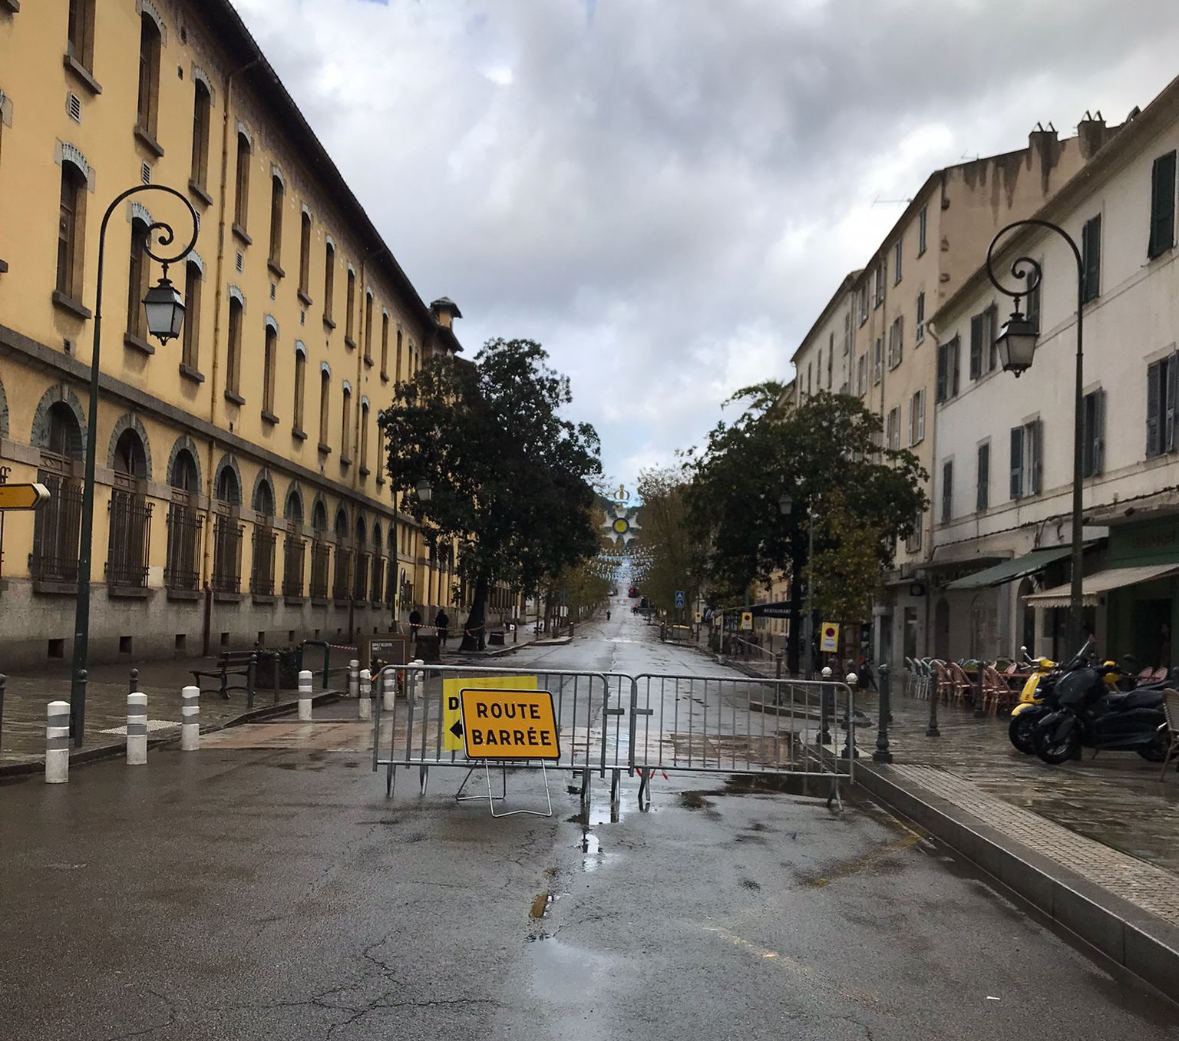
point(246, 894)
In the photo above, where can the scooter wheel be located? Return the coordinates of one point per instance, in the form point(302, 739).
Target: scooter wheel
point(1021, 730)
point(1053, 751)
point(1156, 751)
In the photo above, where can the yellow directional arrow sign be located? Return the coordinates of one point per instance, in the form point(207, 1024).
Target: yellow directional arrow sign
point(22, 496)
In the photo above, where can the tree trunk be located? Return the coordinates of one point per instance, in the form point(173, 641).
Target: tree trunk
point(474, 631)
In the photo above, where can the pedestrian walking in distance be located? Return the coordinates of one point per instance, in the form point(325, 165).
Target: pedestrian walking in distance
point(415, 623)
point(442, 623)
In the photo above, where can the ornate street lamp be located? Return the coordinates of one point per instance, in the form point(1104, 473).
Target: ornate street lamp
point(1017, 345)
point(165, 314)
point(424, 491)
point(785, 504)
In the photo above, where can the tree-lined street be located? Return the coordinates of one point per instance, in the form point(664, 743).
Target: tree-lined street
point(255, 892)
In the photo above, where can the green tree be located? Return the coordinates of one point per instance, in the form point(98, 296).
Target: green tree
point(845, 567)
point(828, 449)
point(510, 476)
point(675, 557)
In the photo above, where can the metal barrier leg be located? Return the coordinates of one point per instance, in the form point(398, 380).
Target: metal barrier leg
point(645, 789)
point(615, 793)
point(585, 792)
point(423, 778)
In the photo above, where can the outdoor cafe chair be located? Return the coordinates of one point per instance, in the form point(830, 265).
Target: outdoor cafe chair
point(961, 685)
point(1171, 712)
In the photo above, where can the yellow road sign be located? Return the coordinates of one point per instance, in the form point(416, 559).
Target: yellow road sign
point(509, 724)
point(22, 496)
point(829, 643)
point(746, 620)
point(452, 720)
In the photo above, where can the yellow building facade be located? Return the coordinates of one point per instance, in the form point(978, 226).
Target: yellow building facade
point(241, 494)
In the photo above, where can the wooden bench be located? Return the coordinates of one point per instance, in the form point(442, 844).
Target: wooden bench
point(241, 665)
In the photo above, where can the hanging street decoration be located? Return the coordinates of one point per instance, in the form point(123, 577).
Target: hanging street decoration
point(622, 525)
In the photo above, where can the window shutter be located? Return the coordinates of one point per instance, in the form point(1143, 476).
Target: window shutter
point(1098, 431)
point(990, 330)
point(1154, 385)
point(984, 473)
point(912, 420)
point(1036, 436)
point(1172, 392)
point(943, 372)
point(1162, 205)
point(1091, 255)
point(1016, 462)
point(955, 365)
point(976, 338)
point(947, 490)
point(921, 414)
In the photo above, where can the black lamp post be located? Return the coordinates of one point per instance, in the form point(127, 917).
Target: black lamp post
point(1017, 345)
point(165, 315)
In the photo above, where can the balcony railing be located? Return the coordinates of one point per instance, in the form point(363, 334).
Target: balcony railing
point(182, 573)
point(294, 554)
point(56, 531)
point(130, 536)
point(227, 555)
point(262, 565)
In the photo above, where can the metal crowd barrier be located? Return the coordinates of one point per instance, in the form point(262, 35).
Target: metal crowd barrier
point(677, 724)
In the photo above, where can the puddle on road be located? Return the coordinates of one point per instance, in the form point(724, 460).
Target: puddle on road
point(694, 800)
point(541, 905)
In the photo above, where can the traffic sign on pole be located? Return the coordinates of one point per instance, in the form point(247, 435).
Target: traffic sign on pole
point(22, 496)
point(680, 599)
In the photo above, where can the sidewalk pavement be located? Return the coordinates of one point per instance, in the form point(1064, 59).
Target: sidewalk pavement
point(22, 741)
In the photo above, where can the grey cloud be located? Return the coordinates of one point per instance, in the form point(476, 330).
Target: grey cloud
point(666, 193)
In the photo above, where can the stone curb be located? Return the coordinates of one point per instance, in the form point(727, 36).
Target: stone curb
point(119, 748)
point(1136, 939)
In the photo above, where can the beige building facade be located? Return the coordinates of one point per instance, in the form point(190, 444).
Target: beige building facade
point(241, 494)
point(887, 348)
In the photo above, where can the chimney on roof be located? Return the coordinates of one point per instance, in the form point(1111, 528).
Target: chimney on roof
point(445, 311)
point(1092, 133)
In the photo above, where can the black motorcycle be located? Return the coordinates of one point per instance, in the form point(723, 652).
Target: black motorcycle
point(1088, 715)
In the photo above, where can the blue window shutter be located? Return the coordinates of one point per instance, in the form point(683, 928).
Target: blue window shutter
point(1016, 462)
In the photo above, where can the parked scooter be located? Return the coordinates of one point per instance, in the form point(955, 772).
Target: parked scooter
point(1088, 715)
point(1034, 702)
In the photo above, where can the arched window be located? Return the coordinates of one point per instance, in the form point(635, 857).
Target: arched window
point(149, 75)
point(294, 547)
point(190, 352)
point(300, 388)
point(228, 490)
point(368, 327)
point(294, 508)
point(384, 345)
point(264, 499)
point(277, 193)
point(350, 315)
point(329, 282)
point(346, 424)
point(70, 231)
point(184, 472)
point(264, 541)
point(233, 349)
point(360, 573)
point(80, 33)
point(241, 199)
point(138, 279)
point(269, 361)
point(325, 386)
point(305, 255)
point(341, 526)
point(341, 583)
point(202, 107)
point(130, 516)
point(319, 516)
point(56, 525)
point(364, 435)
point(397, 369)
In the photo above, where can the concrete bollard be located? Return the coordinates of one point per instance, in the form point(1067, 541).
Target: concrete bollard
point(190, 719)
point(137, 729)
point(364, 702)
point(305, 696)
point(57, 743)
point(389, 690)
point(354, 678)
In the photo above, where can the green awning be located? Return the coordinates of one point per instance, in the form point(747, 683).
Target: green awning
point(1010, 570)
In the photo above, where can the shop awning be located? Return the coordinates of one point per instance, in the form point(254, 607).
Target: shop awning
point(1092, 586)
point(1010, 570)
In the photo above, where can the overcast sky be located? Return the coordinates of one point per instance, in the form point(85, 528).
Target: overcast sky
point(666, 192)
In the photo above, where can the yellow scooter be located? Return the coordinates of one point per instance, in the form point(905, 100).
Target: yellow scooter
point(1031, 707)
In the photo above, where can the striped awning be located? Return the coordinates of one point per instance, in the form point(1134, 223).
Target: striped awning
point(1093, 586)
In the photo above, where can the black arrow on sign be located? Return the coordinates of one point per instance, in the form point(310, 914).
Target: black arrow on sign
point(457, 729)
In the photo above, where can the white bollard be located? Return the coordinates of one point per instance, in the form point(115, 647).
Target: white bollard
point(137, 729)
point(57, 743)
point(305, 696)
point(364, 703)
point(389, 690)
point(190, 719)
point(353, 678)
